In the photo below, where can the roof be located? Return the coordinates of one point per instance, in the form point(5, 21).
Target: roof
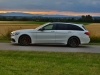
point(65, 23)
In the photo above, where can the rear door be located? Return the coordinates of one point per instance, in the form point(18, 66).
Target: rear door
point(62, 33)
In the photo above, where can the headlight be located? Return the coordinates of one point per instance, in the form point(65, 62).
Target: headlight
point(15, 33)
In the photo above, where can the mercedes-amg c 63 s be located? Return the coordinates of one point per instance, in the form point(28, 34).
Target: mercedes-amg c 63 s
point(52, 33)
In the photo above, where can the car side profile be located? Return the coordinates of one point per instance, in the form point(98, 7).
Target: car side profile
point(52, 33)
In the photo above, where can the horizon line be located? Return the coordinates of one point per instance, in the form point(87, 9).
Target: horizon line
point(66, 13)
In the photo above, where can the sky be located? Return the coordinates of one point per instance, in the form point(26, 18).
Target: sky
point(61, 7)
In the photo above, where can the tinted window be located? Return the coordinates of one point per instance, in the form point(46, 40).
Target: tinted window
point(74, 27)
point(65, 27)
point(61, 27)
point(68, 27)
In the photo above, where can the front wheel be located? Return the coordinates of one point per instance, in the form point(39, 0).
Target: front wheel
point(24, 40)
point(73, 42)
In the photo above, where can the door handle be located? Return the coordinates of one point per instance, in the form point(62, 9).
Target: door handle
point(52, 31)
point(69, 32)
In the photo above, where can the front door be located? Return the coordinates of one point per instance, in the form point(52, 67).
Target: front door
point(47, 35)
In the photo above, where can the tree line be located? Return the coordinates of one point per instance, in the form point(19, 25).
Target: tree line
point(83, 18)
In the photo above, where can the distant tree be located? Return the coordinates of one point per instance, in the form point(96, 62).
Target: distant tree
point(14, 18)
point(24, 19)
point(3, 18)
point(83, 18)
point(87, 18)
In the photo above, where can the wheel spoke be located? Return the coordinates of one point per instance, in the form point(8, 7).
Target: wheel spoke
point(24, 40)
point(73, 42)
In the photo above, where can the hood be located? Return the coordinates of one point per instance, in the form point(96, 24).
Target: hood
point(25, 30)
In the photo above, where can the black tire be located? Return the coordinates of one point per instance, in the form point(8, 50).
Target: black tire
point(24, 40)
point(73, 42)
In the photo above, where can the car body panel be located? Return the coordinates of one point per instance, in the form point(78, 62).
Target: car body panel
point(62, 36)
point(46, 36)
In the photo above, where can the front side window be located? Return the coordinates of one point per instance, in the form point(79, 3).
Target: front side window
point(49, 27)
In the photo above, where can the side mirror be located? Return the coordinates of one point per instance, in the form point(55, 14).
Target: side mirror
point(41, 29)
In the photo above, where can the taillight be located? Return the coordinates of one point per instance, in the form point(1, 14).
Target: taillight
point(87, 33)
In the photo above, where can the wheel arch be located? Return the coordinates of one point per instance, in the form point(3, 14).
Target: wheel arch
point(25, 35)
point(75, 37)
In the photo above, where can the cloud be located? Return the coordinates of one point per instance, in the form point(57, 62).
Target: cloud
point(91, 6)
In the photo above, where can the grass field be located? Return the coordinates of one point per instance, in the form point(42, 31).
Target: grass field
point(8, 26)
point(30, 22)
point(94, 29)
point(48, 63)
point(20, 22)
point(14, 25)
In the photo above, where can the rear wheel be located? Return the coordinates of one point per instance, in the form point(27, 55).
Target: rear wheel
point(73, 42)
point(24, 40)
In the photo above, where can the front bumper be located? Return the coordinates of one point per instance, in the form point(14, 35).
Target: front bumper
point(14, 39)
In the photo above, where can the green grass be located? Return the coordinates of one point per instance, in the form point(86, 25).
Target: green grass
point(84, 23)
point(4, 40)
point(20, 22)
point(33, 22)
point(48, 63)
point(5, 37)
point(95, 39)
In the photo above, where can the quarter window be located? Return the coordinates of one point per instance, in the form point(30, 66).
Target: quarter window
point(74, 27)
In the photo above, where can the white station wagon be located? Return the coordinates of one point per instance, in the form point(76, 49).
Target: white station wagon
point(52, 33)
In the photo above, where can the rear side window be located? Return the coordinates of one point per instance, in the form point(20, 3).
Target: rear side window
point(61, 27)
point(74, 27)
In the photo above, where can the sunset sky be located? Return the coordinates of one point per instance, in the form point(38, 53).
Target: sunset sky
point(62, 7)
